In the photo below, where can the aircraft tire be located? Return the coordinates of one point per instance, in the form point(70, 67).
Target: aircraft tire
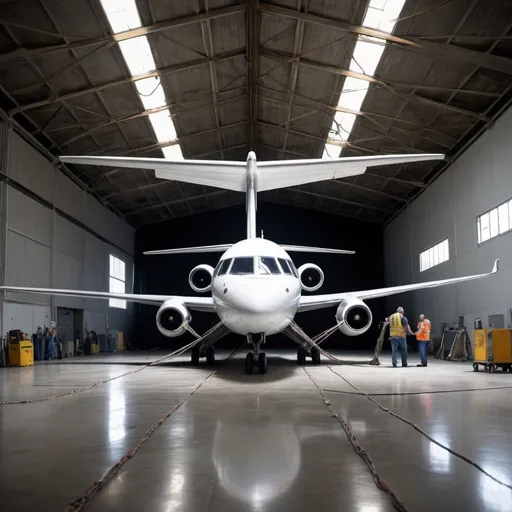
point(262, 363)
point(249, 363)
point(315, 355)
point(194, 356)
point(210, 355)
point(301, 356)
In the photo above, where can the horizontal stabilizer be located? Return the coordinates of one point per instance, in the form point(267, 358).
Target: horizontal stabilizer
point(231, 175)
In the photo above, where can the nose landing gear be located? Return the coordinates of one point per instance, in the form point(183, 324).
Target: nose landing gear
point(256, 358)
point(204, 351)
point(302, 354)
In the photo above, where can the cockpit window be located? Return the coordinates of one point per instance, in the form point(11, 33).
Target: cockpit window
point(268, 265)
point(223, 267)
point(294, 269)
point(242, 266)
point(285, 266)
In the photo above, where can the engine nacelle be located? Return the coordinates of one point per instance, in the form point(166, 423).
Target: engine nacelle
point(171, 317)
point(355, 315)
point(311, 277)
point(200, 278)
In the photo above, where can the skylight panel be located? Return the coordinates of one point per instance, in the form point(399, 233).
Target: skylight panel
point(163, 126)
point(381, 15)
point(173, 152)
point(331, 151)
point(137, 54)
point(122, 14)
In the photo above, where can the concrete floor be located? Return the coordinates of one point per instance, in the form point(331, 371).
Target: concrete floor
point(253, 443)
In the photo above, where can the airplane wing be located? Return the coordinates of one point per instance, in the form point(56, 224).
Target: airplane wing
point(310, 302)
point(231, 175)
point(193, 303)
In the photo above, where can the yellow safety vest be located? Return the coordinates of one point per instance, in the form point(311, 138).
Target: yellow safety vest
point(395, 325)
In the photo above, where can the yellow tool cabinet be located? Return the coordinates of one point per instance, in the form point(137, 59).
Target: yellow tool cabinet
point(21, 353)
point(493, 348)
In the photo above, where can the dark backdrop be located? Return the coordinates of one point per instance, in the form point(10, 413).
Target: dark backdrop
point(281, 224)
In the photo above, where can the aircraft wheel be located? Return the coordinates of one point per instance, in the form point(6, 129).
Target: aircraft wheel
point(301, 356)
point(249, 363)
point(315, 355)
point(262, 363)
point(210, 355)
point(194, 355)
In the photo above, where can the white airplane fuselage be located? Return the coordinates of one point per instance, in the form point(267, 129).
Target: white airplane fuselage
point(256, 302)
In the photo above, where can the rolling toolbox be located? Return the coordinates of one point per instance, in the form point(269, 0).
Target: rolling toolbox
point(21, 353)
point(493, 349)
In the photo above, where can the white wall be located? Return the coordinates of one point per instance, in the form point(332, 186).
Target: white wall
point(480, 179)
point(42, 248)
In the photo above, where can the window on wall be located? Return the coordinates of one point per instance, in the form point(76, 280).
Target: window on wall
point(117, 281)
point(494, 222)
point(434, 255)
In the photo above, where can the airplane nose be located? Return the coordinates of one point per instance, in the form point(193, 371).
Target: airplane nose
point(258, 298)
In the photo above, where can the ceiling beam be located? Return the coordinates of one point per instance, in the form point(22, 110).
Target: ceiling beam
point(156, 73)
point(280, 56)
point(187, 108)
point(122, 36)
point(252, 70)
point(333, 23)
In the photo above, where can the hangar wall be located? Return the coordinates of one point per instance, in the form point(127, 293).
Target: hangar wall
point(54, 234)
point(281, 224)
point(478, 181)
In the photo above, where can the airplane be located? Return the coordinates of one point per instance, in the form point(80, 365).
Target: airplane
point(255, 289)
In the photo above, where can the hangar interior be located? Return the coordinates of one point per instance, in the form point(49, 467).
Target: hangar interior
point(288, 79)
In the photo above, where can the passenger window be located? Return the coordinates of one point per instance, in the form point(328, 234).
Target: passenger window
point(267, 265)
point(242, 266)
point(284, 265)
point(223, 267)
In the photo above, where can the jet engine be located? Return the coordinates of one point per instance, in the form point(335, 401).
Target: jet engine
point(200, 278)
point(356, 315)
point(311, 277)
point(171, 317)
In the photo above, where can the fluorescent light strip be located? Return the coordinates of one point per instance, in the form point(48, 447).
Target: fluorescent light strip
point(381, 14)
point(123, 15)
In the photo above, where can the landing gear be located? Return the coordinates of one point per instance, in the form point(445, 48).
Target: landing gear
point(315, 355)
point(210, 355)
point(194, 355)
point(256, 357)
point(301, 356)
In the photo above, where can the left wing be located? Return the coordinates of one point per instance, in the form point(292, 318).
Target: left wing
point(310, 302)
point(194, 303)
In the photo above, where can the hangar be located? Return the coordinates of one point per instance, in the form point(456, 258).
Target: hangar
point(101, 421)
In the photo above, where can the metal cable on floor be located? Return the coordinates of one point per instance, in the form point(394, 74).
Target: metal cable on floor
point(413, 425)
point(359, 450)
point(79, 504)
point(407, 393)
point(176, 353)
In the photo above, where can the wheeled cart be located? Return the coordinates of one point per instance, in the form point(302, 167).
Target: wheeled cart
point(493, 349)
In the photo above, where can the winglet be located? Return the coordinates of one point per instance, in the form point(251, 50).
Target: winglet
point(496, 266)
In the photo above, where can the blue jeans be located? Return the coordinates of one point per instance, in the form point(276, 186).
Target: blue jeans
point(399, 343)
point(422, 349)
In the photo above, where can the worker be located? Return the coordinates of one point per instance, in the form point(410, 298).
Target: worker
point(52, 335)
point(398, 326)
point(423, 337)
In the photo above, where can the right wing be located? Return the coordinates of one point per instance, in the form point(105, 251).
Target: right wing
point(194, 303)
point(310, 302)
point(231, 175)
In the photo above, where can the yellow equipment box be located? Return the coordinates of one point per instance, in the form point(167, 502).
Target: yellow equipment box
point(493, 348)
point(120, 341)
point(95, 348)
point(21, 353)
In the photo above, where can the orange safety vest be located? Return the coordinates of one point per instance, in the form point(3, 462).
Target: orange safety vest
point(424, 335)
point(395, 325)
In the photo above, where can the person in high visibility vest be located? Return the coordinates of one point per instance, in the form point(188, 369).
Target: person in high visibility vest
point(423, 337)
point(398, 326)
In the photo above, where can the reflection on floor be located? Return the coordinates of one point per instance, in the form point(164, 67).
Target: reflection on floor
point(254, 443)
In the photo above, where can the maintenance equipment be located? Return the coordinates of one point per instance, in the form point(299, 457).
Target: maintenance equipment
point(493, 349)
point(21, 353)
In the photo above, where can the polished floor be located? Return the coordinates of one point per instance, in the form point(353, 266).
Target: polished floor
point(254, 443)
